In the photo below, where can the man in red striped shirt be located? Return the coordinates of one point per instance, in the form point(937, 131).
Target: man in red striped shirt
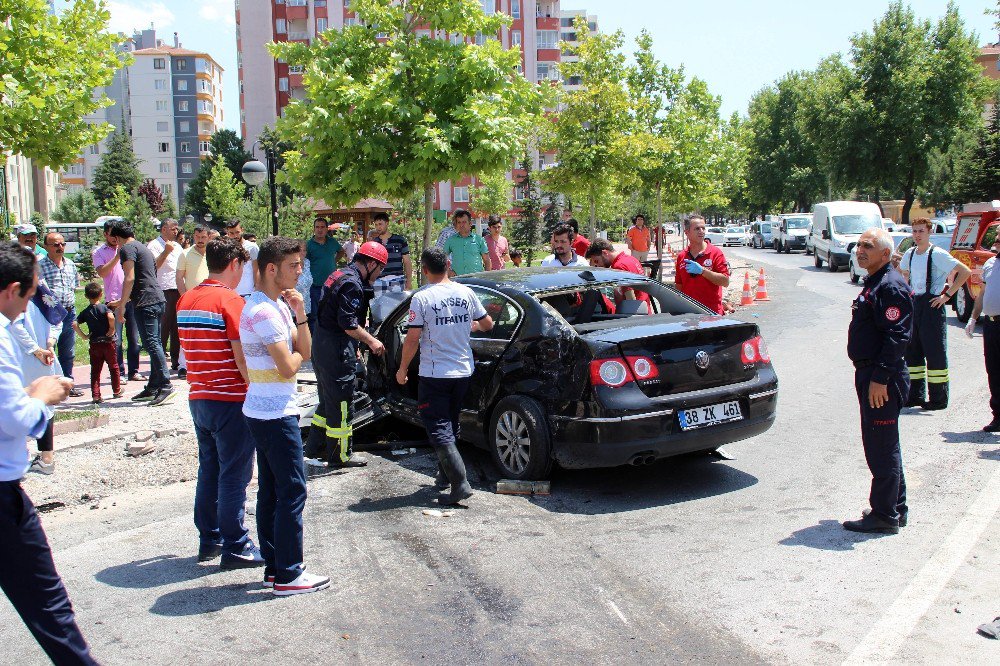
point(208, 319)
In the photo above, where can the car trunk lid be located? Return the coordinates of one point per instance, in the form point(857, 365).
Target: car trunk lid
point(679, 346)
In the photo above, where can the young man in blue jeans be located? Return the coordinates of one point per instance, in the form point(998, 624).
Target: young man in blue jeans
point(275, 341)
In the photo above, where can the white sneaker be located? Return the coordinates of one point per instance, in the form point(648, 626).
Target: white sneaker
point(304, 584)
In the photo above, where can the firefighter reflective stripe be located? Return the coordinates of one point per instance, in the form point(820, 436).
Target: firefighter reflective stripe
point(937, 376)
point(318, 420)
point(343, 433)
point(918, 371)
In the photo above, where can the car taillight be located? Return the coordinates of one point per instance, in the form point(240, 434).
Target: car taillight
point(754, 351)
point(616, 372)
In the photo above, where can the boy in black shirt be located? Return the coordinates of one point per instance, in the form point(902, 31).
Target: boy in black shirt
point(100, 323)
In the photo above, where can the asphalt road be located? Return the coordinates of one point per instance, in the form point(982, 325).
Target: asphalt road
point(739, 561)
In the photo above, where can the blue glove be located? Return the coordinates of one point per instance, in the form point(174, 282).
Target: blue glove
point(693, 267)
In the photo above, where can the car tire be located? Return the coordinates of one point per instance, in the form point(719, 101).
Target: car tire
point(830, 266)
point(854, 276)
point(963, 305)
point(777, 247)
point(520, 423)
point(808, 251)
point(817, 262)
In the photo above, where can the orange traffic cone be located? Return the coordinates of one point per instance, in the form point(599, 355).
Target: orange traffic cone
point(762, 287)
point(747, 294)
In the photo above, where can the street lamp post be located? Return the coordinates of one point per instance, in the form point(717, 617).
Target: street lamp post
point(255, 173)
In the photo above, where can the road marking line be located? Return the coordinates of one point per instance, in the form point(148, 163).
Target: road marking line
point(888, 634)
point(618, 612)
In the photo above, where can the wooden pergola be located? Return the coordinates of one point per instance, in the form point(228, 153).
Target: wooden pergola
point(358, 217)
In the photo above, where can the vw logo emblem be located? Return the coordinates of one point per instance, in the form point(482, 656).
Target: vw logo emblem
point(701, 359)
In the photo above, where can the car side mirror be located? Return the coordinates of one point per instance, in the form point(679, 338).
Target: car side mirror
point(826, 234)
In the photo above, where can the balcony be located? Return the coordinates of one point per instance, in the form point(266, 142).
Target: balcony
point(548, 55)
point(298, 37)
point(294, 80)
point(547, 23)
point(296, 11)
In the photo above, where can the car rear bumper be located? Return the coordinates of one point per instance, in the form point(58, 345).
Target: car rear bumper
point(840, 257)
point(795, 242)
point(579, 443)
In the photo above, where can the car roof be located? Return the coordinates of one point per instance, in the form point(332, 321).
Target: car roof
point(537, 279)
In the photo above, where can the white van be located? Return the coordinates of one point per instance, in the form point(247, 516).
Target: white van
point(837, 225)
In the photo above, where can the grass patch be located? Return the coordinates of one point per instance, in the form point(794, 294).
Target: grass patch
point(74, 414)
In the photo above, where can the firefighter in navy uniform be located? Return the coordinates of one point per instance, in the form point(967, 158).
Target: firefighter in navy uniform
point(340, 326)
point(876, 344)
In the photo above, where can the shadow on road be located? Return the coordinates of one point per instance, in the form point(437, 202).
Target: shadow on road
point(971, 437)
point(827, 535)
point(423, 498)
point(990, 455)
point(154, 572)
point(201, 600)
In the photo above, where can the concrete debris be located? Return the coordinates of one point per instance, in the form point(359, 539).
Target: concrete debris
point(512, 487)
point(144, 435)
point(437, 513)
point(136, 450)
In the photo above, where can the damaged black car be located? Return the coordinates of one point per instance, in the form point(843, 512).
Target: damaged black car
point(590, 368)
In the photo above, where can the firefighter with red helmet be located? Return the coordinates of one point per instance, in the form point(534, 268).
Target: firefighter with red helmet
point(340, 326)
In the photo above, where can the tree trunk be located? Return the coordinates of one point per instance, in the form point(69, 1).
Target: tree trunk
point(908, 197)
point(593, 217)
point(428, 213)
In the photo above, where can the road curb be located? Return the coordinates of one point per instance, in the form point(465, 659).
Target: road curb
point(128, 436)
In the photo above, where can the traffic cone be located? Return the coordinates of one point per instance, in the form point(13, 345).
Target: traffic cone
point(747, 294)
point(761, 287)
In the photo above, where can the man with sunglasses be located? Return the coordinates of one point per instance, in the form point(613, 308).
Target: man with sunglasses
point(61, 276)
point(876, 343)
point(934, 278)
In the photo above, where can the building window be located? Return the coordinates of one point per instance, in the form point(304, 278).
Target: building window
point(161, 126)
point(161, 105)
point(457, 39)
point(185, 126)
point(160, 84)
point(186, 167)
point(164, 167)
point(515, 8)
point(548, 39)
point(95, 149)
point(182, 85)
point(280, 26)
point(180, 65)
point(547, 71)
point(182, 105)
point(185, 147)
point(461, 194)
point(515, 37)
point(166, 188)
point(205, 146)
point(164, 147)
point(489, 7)
point(159, 63)
point(321, 24)
point(283, 84)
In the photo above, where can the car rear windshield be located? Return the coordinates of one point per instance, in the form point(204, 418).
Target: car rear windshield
point(854, 224)
point(733, 230)
point(797, 222)
point(765, 228)
point(620, 300)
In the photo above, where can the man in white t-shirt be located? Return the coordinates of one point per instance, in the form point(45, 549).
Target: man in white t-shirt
point(251, 273)
point(167, 251)
point(443, 315)
point(562, 249)
point(934, 276)
point(275, 341)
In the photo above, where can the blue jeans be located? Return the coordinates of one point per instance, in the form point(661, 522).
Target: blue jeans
point(148, 318)
point(315, 291)
point(132, 329)
point(225, 465)
point(66, 342)
point(281, 495)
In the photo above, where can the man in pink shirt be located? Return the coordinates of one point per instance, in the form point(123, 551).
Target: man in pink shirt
point(108, 265)
point(497, 246)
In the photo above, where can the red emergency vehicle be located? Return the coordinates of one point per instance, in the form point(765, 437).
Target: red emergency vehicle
point(974, 235)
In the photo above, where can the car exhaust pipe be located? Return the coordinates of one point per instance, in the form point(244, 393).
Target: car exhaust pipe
point(642, 459)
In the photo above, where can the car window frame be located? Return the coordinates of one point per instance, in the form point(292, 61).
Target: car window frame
point(517, 306)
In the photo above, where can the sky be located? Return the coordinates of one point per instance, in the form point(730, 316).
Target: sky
point(737, 46)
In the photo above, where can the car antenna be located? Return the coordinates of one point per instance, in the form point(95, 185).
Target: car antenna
point(588, 276)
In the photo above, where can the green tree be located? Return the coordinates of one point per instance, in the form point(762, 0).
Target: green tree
point(552, 215)
point(119, 167)
point(591, 132)
point(911, 89)
point(491, 195)
point(153, 196)
point(389, 109)
point(77, 208)
point(295, 217)
point(119, 202)
point(49, 67)
point(225, 146)
point(977, 171)
point(222, 194)
point(83, 259)
point(525, 232)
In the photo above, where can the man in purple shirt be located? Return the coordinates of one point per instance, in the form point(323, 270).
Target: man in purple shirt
point(109, 267)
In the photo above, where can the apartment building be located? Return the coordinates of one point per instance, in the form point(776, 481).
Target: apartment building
point(170, 101)
point(267, 86)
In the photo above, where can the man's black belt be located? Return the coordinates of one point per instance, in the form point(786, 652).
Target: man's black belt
point(863, 363)
point(990, 317)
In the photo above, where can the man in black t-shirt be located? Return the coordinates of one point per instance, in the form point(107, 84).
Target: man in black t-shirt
point(142, 289)
point(397, 247)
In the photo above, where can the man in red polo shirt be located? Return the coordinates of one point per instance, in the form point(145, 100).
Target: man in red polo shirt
point(602, 254)
point(702, 270)
point(580, 242)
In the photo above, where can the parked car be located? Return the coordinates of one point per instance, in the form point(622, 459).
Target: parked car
point(567, 378)
point(733, 236)
point(902, 243)
point(975, 232)
point(809, 243)
point(716, 236)
point(791, 233)
point(837, 225)
point(760, 235)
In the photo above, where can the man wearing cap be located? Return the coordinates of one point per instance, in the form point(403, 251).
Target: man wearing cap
point(340, 326)
point(27, 236)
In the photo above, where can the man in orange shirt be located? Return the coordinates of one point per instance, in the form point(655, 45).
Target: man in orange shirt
point(638, 239)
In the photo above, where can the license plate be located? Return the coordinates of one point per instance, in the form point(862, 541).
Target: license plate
point(709, 415)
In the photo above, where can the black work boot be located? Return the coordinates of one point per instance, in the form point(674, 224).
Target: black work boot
point(454, 468)
point(916, 396)
point(441, 481)
point(871, 523)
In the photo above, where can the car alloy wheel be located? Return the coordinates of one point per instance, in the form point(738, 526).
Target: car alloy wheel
point(963, 305)
point(512, 442)
point(520, 440)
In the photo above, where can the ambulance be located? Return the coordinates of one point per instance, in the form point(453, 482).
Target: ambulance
point(971, 242)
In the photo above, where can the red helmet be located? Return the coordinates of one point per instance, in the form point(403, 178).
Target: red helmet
point(373, 250)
